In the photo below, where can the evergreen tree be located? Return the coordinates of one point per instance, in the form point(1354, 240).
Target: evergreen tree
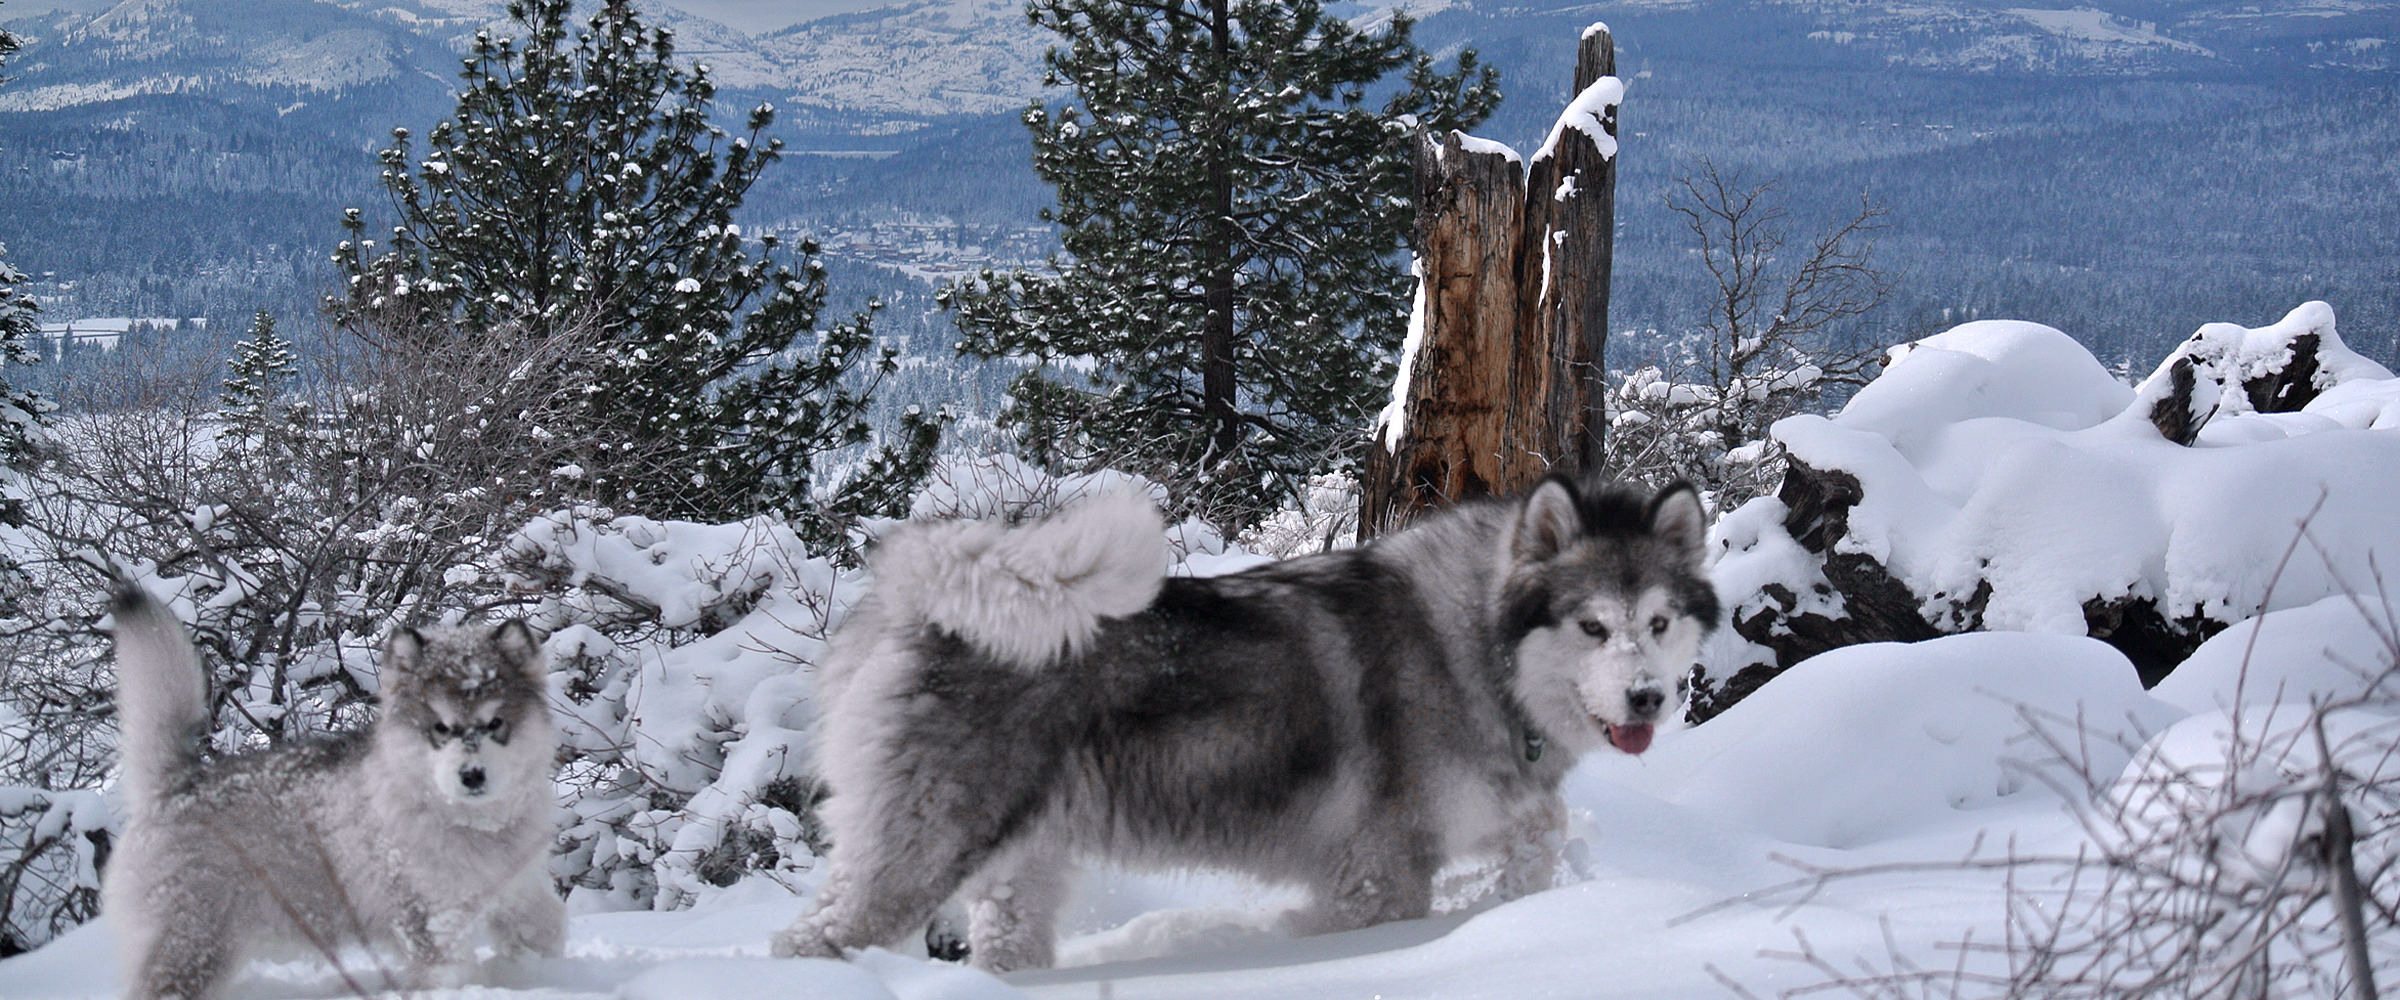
point(262, 365)
point(1232, 208)
point(22, 411)
point(581, 190)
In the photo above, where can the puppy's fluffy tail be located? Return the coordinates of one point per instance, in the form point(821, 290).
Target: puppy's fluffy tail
point(1028, 594)
point(162, 696)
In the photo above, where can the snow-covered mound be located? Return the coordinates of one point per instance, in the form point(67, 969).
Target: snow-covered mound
point(1996, 477)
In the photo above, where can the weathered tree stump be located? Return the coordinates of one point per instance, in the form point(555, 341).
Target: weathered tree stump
point(1504, 381)
point(1470, 205)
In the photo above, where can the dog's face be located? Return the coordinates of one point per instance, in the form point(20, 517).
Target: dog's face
point(1604, 605)
point(468, 703)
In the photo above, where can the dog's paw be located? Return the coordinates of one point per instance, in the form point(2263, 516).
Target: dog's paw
point(445, 974)
point(802, 940)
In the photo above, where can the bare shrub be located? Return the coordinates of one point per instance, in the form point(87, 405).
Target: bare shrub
point(1769, 348)
point(2252, 854)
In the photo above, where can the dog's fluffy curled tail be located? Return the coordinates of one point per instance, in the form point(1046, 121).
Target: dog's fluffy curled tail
point(1028, 593)
point(162, 696)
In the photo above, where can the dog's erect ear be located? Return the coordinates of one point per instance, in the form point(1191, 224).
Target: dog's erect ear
point(1677, 517)
point(401, 652)
point(1547, 524)
point(517, 643)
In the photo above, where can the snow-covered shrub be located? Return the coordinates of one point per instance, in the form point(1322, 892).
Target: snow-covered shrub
point(679, 661)
point(1997, 477)
point(51, 843)
point(682, 659)
point(1324, 517)
point(1661, 429)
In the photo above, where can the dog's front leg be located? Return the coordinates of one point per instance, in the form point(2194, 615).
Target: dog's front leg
point(1530, 846)
point(1383, 875)
point(529, 920)
point(186, 960)
point(434, 940)
point(1012, 910)
point(876, 891)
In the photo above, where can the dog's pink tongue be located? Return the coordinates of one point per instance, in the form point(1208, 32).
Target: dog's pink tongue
point(1631, 739)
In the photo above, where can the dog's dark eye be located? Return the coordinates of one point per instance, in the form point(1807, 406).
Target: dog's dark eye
point(497, 730)
point(1658, 625)
point(439, 733)
point(1593, 628)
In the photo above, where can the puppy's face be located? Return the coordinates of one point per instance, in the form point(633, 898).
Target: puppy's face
point(467, 703)
point(1606, 608)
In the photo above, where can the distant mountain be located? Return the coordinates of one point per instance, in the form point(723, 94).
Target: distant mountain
point(890, 69)
point(2073, 164)
point(911, 61)
point(929, 58)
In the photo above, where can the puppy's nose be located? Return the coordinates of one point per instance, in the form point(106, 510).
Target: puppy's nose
point(471, 779)
point(1645, 701)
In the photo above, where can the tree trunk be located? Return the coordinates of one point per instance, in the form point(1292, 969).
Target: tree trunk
point(1218, 372)
point(1505, 382)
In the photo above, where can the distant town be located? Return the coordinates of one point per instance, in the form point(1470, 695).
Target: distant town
point(936, 251)
point(106, 331)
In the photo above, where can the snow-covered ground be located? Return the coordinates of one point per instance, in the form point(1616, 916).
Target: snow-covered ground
point(1875, 755)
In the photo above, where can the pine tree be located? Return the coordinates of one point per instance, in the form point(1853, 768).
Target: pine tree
point(1233, 208)
point(581, 190)
point(262, 365)
point(22, 411)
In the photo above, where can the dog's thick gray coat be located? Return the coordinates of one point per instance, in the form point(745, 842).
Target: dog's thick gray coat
point(1349, 721)
point(418, 832)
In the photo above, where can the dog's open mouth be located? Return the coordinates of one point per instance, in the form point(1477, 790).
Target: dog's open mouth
point(1629, 738)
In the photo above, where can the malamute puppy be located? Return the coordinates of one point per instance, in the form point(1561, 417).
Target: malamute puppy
point(414, 832)
point(1010, 698)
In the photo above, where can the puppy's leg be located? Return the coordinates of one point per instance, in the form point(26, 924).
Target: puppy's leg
point(1013, 906)
point(1530, 847)
point(1380, 876)
point(528, 919)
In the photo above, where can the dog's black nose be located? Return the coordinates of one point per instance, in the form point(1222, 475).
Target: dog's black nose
point(1645, 701)
point(471, 779)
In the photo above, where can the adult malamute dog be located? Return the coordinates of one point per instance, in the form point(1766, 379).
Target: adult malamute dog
point(435, 821)
point(1010, 698)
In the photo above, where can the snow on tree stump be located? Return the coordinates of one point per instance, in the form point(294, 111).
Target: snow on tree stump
point(1501, 380)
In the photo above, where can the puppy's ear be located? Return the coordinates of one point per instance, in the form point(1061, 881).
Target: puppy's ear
point(1677, 518)
point(519, 646)
point(401, 653)
point(1547, 523)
